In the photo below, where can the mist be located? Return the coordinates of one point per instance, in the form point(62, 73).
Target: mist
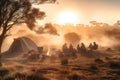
point(47, 39)
point(105, 35)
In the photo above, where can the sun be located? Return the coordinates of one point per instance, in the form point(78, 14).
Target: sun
point(68, 17)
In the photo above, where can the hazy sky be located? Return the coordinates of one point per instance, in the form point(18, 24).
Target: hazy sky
point(107, 11)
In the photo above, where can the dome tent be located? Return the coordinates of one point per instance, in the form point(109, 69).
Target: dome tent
point(22, 44)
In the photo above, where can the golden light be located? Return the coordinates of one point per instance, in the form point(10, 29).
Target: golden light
point(68, 17)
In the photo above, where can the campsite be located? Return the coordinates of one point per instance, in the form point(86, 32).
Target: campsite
point(24, 60)
point(59, 39)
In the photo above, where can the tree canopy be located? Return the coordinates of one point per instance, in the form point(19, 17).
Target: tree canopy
point(19, 11)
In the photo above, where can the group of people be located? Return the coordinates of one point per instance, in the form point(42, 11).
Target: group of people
point(81, 48)
point(69, 50)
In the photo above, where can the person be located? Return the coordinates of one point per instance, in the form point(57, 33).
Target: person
point(71, 47)
point(95, 46)
point(83, 48)
point(72, 50)
point(90, 46)
point(78, 48)
point(64, 48)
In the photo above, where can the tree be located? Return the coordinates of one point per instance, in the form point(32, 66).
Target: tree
point(95, 23)
point(18, 11)
point(72, 38)
point(50, 29)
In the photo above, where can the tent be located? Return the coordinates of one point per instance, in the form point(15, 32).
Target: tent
point(21, 45)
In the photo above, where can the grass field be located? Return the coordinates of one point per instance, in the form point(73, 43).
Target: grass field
point(80, 68)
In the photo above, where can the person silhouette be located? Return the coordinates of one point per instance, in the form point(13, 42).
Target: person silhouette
point(83, 48)
point(95, 46)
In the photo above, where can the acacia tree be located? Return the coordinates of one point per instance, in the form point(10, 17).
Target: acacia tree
point(18, 11)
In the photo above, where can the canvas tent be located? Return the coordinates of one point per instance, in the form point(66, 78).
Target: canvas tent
point(22, 45)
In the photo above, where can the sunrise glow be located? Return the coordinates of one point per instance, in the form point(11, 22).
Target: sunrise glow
point(68, 17)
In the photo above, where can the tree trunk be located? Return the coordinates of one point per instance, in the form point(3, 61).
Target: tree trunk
point(1, 42)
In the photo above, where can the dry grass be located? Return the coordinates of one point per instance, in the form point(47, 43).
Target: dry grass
point(81, 68)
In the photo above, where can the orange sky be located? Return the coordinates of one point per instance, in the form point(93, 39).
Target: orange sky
point(107, 11)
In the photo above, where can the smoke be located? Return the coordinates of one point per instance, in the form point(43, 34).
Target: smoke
point(47, 36)
point(45, 39)
point(104, 34)
point(114, 33)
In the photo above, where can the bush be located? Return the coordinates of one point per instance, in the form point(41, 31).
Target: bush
point(114, 65)
point(3, 72)
point(99, 61)
point(36, 77)
point(76, 76)
point(64, 71)
point(114, 72)
point(19, 76)
point(9, 78)
point(93, 68)
point(64, 62)
point(107, 58)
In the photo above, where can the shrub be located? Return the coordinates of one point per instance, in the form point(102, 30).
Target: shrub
point(64, 71)
point(114, 65)
point(3, 72)
point(19, 76)
point(64, 62)
point(9, 78)
point(93, 68)
point(36, 77)
point(76, 76)
point(99, 61)
point(107, 58)
point(114, 72)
